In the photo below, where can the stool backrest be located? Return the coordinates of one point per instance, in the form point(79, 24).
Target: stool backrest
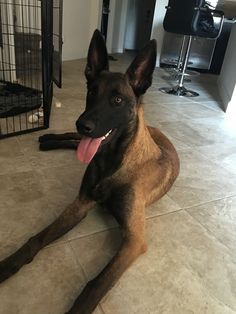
point(182, 16)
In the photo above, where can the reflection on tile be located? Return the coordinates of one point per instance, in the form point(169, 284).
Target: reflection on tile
point(223, 154)
point(49, 284)
point(20, 222)
point(11, 157)
point(159, 97)
point(20, 187)
point(182, 134)
point(60, 185)
point(184, 271)
point(219, 218)
point(214, 130)
point(212, 104)
point(200, 180)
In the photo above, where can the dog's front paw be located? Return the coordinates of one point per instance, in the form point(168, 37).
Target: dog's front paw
point(47, 137)
point(7, 269)
point(10, 265)
point(49, 145)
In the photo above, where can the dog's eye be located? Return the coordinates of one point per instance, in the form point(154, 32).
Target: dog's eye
point(118, 100)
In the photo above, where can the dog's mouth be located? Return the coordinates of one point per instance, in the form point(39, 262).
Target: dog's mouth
point(89, 146)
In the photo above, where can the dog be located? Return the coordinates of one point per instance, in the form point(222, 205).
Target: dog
point(130, 166)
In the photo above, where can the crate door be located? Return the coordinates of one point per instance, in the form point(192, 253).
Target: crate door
point(57, 41)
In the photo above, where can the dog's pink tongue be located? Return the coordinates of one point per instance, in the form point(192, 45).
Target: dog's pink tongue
point(87, 148)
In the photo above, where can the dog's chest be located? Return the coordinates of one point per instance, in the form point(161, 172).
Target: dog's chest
point(107, 188)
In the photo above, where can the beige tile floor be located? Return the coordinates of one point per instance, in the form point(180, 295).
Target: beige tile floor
point(190, 267)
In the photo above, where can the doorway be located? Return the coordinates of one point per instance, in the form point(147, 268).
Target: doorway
point(129, 24)
point(139, 23)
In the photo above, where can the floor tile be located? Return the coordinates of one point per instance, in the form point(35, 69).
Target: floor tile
point(219, 218)
point(156, 113)
point(49, 284)
point(183, 135)
point(200, 180)
point(184, 271)
point(223, 154)
point(24, 210)
point(214, 129)
point(19, 223)
point(12, 157)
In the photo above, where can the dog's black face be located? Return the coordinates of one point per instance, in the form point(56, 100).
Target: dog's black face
point(110, 105)
point(112, 98)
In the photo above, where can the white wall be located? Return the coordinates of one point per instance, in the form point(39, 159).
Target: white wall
point(227, 78)
point(80, 18)
point(117, 25)
point(157, 27)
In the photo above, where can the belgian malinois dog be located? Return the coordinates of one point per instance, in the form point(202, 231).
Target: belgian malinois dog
point(130, 166)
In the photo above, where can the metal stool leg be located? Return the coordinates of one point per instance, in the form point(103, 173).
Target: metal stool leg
point(176, 71)
point(180, 90)
point(180, 61)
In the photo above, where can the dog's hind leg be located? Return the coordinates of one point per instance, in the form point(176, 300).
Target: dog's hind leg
point(72, 215)
point(133, 228)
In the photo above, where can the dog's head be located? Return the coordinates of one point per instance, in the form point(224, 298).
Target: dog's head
point(112, 98)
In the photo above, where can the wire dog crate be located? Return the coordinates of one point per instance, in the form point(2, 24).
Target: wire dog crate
point(30, 60)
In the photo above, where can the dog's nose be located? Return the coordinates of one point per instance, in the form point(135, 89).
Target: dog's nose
point(85, 127)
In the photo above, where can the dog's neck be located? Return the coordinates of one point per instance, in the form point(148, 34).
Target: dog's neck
point(142, 146)
point(131, 144)
point(110, 158)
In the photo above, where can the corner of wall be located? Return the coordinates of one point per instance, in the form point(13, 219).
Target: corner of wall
point(223, 94)
point(157, 27)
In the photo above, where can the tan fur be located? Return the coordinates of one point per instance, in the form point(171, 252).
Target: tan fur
point(151, 163)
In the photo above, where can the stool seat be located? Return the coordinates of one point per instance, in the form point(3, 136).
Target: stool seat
point(191, 18)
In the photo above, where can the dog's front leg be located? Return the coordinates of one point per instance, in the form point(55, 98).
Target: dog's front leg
point(58, 141)
point(73, 214)
point(133, 245)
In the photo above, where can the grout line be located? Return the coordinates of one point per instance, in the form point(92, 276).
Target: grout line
point(165, 214)
point(100, 307)
point(93, 233)
point(209, 232)
point(78, 262)
point(67, 241)
point(208, 202)
point(84, 274)
point(191, 207)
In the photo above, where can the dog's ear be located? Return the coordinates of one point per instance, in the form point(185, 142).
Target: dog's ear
point(97, 59)
point(141, 69)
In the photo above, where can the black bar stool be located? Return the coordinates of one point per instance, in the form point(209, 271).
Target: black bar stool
point(191, 18)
